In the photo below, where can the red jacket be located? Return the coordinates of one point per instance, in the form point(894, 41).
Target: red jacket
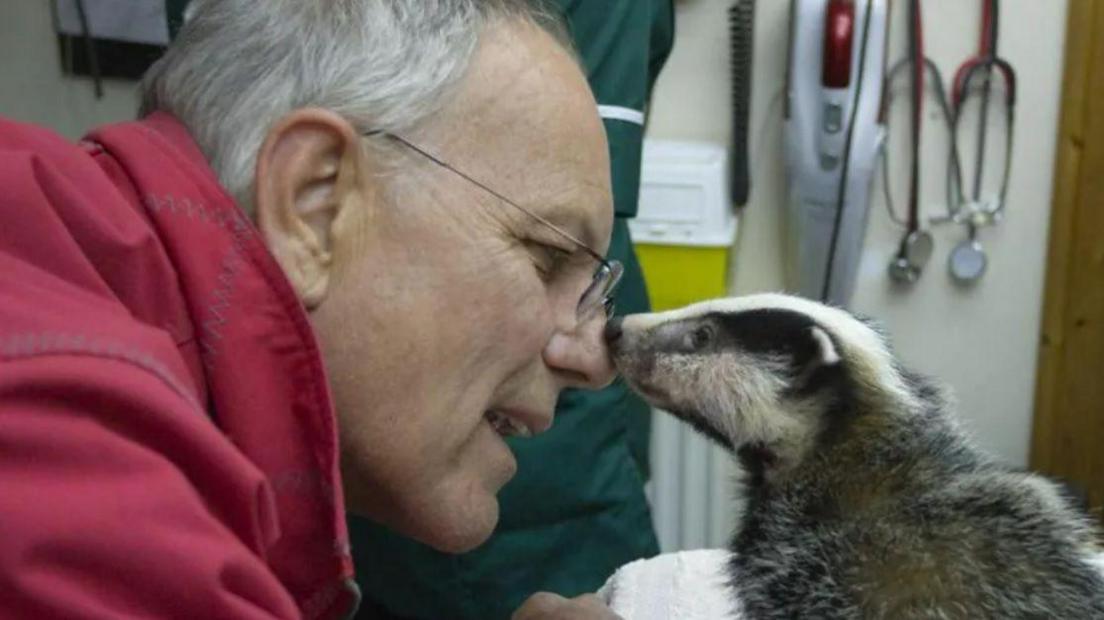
point(167, 440)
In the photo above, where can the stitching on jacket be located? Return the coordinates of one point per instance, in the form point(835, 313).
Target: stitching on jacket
point(31, 345)
point(230, 267)
point(236, 258)
point(219, 305)
point(302, 482)
point(193, 210)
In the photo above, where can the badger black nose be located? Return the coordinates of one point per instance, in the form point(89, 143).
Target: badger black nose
point(613, 330)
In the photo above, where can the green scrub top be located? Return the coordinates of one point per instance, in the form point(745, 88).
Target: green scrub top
point(576, 511)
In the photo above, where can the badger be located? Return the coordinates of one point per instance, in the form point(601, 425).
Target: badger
point(863, 496)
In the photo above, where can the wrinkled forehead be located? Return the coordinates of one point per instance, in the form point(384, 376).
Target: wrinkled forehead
point(524, 122)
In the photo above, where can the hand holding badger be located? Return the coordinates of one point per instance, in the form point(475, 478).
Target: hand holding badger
point(864, 497)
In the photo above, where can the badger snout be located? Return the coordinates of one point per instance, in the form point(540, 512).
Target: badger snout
point(632, 354)
point(622, 340)
point(613, 330)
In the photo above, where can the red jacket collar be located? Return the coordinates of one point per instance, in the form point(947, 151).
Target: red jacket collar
point(260, 366)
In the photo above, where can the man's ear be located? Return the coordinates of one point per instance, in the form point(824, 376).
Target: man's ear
point(307, 177)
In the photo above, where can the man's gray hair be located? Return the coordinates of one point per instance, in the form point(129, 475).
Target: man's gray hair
point(238, 66)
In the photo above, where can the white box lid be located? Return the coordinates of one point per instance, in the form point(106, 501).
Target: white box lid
point(684, 195)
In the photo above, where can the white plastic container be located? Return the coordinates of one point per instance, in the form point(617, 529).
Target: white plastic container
point(685, 224)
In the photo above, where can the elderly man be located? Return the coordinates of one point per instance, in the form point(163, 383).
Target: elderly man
point(355, 226)
point(576, 511)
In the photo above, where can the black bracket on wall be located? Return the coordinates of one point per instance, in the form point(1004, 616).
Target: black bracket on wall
point(86, 52)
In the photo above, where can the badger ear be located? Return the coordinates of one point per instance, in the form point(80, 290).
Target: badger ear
point(826, 353)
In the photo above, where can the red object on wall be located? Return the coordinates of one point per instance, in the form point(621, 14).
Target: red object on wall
point(839, 36)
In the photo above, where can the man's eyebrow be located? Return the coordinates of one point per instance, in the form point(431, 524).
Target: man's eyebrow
point(566, 215)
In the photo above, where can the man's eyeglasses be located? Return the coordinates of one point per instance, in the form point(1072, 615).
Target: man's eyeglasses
point(599, 295)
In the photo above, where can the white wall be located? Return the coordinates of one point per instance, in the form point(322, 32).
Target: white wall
point(32, 87)
point(982, 341)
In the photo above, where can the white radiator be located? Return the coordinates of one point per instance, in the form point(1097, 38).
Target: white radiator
point(693, 488)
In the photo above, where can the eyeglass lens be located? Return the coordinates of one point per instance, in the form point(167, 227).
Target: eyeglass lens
point(599, 293)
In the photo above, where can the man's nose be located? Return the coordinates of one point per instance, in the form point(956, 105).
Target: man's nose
point(581, 356)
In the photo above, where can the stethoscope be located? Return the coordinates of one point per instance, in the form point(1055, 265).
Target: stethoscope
point(967, 262)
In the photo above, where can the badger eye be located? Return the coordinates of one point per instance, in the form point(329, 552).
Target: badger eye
point(701, 337)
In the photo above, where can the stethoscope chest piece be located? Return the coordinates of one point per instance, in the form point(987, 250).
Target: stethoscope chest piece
point(914, 256)
point(918, 248)
point(902, 272)
point(968, 262)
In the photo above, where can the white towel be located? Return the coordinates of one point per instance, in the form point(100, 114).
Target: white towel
point(689, 585)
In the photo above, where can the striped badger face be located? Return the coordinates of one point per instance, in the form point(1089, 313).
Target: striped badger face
point(765, 372)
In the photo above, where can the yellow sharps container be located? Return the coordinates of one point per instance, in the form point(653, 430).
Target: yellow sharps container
point(685, 226)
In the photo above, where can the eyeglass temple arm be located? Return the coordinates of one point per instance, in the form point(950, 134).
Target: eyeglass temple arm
point(433, 158)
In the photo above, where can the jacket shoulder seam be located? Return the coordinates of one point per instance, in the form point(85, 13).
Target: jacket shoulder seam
point(33, 345)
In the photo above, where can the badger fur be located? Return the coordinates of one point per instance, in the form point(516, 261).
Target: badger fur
point(864, 497)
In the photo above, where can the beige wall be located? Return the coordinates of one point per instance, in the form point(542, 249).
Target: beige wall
point(981, 341)
point(32, 87)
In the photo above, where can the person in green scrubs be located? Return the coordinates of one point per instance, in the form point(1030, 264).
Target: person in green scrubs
point(576, 510)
